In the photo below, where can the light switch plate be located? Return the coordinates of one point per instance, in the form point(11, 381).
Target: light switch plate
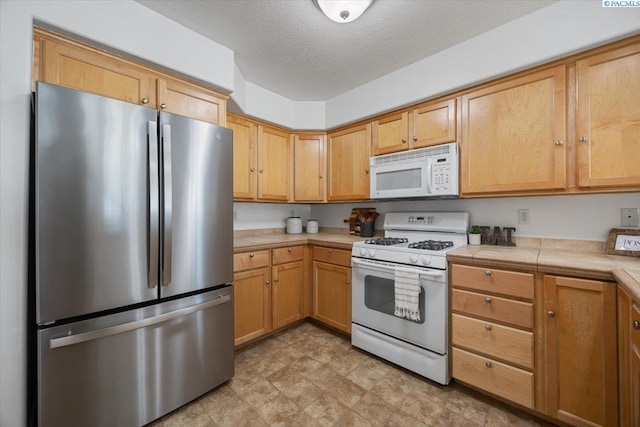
point(630, 217)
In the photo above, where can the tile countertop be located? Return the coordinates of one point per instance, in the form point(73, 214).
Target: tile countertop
point(590, 265)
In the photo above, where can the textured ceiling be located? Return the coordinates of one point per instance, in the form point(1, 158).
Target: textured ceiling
point(291, 48)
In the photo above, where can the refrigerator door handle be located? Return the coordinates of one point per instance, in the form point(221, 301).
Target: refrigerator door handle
point(154, 205)
point(166, 156)
point(119, 329)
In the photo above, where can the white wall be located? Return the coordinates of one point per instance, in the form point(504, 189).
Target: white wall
point(250, 216)
point(580, 217)
point(549, 33)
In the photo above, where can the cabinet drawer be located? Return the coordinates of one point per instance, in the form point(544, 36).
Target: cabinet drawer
point(332, 256)
point(498, 378)
point(510, 283)
point(505, 343)
point(516, 313)
point(249, 260)
point(635, 317)
point(288, 254)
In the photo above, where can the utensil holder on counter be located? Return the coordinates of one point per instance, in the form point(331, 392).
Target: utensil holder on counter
point(366, 229)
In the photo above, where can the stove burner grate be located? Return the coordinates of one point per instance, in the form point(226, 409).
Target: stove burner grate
point(387, 241)
point(432, 245)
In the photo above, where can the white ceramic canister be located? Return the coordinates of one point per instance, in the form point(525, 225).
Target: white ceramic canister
point(294, 225)
point(312, 226)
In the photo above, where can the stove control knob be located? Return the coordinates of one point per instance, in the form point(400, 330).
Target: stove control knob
point(372, 253)
point(363, 252)
point(426, 259)
point(413, 258)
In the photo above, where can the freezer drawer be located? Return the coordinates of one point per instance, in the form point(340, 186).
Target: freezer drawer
point(130, 368)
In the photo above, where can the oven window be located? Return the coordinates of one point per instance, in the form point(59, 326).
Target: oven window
point(379, 295)
point(399, 180)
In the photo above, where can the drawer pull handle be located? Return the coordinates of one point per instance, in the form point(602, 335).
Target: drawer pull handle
point(330, 250)
point(487, 327)
point(487, 272)
point(251, 255)
point(636, 324)
point(276, 280)
point(267, 282)
point(551, 314)
point(488, 364)
point(487, 300)
point(290, 250)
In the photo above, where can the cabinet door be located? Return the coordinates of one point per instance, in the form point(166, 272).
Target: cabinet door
point(188, 100)
point(513, 135)
point(349, 152)
point(287, 293)
point(608, 118)
point(433, 124)
point(332, 295)
point(635, 366)
point(310, 167)
point(245, 157)
point(390, 133)
point(274, 164)
point(580, 351)
point(80, 67)
point(252, 304)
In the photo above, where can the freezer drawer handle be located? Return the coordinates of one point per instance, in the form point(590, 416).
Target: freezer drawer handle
point(118, 329)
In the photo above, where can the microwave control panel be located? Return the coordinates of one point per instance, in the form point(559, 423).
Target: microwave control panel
point(441, 171)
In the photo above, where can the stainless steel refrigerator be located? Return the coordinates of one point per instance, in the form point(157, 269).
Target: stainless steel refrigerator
point(132, 259)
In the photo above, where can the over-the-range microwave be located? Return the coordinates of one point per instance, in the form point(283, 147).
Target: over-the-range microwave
point(424, 173)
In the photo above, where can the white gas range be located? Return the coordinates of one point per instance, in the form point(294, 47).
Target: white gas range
point(399, 290)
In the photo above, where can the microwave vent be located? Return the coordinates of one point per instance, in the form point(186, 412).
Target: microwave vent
point(414, 154)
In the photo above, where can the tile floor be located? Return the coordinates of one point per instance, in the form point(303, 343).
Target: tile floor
point(310, 376)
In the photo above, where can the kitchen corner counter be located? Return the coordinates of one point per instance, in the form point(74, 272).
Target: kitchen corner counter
point(590, 265)
point(270, 241)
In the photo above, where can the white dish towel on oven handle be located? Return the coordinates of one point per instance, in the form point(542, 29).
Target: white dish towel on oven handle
point(407, 293)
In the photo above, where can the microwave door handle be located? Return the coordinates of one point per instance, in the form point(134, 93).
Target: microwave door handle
point(429, 175)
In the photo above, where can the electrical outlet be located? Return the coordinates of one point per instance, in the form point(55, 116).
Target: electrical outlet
point(524, 216)
point(630, 217)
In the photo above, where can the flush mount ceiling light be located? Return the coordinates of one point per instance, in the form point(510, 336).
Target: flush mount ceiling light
point(343, 11)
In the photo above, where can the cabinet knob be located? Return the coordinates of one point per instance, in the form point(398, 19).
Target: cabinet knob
point(290, 250)
point(415, 138)
point(321, 176)
point(488, 364)
point(636, 324)
point(584, 138)
point(145, 100)
point(330, 250)
point(487, 327)
point(559, 142)
point(276, 280)
point(348, 282)
point(267, 282)
point(487, 300)
point(551, 314)
point(251, 255)
point(261, 170)
point(163, 105)
point(366, 171)
point(252, 169)
point(404, 140)
point(487, 272)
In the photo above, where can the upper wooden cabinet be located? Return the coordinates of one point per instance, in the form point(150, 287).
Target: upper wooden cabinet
point(67, 63)
point(274, 164)
point(185, 99)
point(245, 157)
point(310, 167)
point(426, 125)
point(513, 135)
point(79, 67)
point(608, 119)
point(349, 151)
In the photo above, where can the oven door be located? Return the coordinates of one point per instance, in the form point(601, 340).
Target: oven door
point(373, 303)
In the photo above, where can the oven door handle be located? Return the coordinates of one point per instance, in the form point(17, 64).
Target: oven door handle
point(389, 268)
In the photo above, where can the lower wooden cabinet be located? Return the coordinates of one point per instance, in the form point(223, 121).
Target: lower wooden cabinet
point(628, 359)
point(332, 287)
point(580, 351)
point(286, 293)
point(251, 304)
